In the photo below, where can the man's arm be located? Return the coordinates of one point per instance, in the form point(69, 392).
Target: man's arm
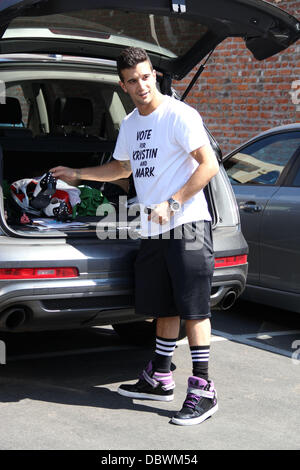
point(112, 171)
point(207, 169)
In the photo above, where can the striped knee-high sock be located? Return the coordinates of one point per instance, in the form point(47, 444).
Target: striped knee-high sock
point(200, 359)
point(164, 349)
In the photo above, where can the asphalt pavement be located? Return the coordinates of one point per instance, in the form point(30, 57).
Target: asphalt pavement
point(58, 389)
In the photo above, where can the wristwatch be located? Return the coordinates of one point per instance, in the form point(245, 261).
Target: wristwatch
point(175, 206)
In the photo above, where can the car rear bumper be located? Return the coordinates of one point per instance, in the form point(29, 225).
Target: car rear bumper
point(58, 304)
point(32, 305)
point(227, 286)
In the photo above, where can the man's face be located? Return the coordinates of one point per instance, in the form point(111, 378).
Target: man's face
point(140, 83)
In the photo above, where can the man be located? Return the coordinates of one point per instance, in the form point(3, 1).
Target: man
point(163, 143)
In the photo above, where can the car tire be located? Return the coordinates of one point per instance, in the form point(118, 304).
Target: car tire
point(142, 332)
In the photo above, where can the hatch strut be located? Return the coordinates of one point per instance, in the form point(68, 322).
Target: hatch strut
point(196, 76)
point(179, 6)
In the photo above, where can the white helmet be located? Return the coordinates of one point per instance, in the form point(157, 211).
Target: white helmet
point(46, 195)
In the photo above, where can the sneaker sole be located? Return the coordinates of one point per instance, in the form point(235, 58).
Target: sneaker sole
point(198, 420)
point(146, 396)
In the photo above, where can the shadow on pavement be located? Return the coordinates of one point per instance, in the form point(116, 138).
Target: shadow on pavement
point(78, 380)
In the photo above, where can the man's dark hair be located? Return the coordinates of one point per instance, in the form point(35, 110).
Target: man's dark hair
point(130, 57)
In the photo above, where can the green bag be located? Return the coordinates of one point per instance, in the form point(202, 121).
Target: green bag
point(91, 199)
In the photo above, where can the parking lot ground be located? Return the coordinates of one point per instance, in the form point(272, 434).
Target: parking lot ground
point(58, 391)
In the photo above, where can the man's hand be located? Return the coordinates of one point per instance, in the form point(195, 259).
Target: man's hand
point(69, 175)
point(161, 214)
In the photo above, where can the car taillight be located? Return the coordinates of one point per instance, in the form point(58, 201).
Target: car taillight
point(230, 261)
point(38, 273)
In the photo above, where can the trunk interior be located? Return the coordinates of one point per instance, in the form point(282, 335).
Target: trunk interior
point(29, 158)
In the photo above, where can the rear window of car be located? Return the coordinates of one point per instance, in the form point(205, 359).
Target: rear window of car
point(173, 34)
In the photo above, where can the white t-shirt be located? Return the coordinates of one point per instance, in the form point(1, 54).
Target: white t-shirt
point(158, 146)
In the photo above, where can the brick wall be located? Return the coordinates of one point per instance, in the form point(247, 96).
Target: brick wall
point(239, 96)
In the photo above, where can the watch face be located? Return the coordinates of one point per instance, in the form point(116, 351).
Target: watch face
point(174, 205)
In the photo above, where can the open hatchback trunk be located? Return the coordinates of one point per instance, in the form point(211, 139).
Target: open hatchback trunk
point(177, 33)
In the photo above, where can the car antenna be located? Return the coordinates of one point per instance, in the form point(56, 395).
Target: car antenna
point(196, 76)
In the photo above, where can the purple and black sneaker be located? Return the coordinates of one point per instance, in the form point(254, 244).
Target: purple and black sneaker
point(151, 385)
point(200, 402)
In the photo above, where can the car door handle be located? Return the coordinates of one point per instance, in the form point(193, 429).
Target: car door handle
point(250, 206)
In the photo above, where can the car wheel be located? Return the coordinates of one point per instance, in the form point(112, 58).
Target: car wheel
point(142, 332)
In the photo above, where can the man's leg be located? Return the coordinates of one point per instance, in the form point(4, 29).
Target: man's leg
point(199, 333)
point(168, 327)
point(156, 381)
point(154, 296)
point(167, 330)
point(201, 399)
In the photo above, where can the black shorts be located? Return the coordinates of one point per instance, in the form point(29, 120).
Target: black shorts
point(173, 273)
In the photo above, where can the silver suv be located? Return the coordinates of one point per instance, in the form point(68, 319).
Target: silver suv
point(61, 105)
